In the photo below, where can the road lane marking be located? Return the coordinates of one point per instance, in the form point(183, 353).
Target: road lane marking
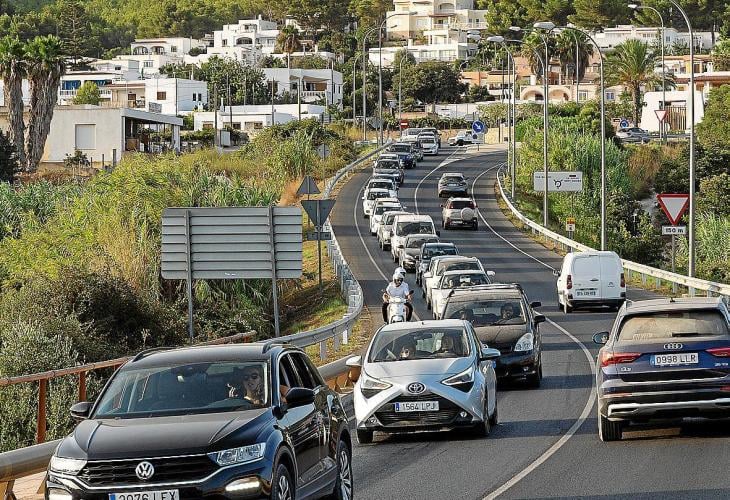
point(446, 161)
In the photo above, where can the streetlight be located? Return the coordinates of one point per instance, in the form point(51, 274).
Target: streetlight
point(634, 6)
point(400, 90)
point(354, 87)
point(577, 62)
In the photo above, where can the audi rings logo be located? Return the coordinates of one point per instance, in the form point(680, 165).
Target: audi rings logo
point(673, 346)
point(144, 470)
point(416, 388)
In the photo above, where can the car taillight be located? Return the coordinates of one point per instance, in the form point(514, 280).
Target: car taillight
point(569, 282)
point(720, 352)
point(614, 358)
point(623, 280)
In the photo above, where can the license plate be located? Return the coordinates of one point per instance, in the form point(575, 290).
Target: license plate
point(676, 359)
point(147, 495)
point(417, 406)
point(585, 293)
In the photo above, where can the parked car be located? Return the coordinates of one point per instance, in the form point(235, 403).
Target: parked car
point(463, 138)
point(429, 251)
point(459, 212)
point(253, 420)
point(431, 375)
point(504, 318)
point(591, 279)
point(382, 206)
point(384, 231)
point(450, 281)
point(369, 198)
point(403, 225)
point(663, 359)
point(452, 183)
point(633, 134)
point(410, 253)
point(407, 156)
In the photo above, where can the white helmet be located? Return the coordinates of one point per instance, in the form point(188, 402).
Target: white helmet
point(399, 272)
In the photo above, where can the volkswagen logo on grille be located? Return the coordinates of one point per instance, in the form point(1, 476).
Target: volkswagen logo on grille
point(144, 470)
point(416, 388)
point(673, 346)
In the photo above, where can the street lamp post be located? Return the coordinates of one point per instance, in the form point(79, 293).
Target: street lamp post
point(400, 91)
point(634, 6)
point(365, 61)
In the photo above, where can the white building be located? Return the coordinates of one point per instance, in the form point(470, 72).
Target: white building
point(73, 80)
point(251, 118)
point(676, 105)
point(153, 53)
point(174, 96)
point(246, 41)
point(317, 84)
point(97, 131)
point(609, 38)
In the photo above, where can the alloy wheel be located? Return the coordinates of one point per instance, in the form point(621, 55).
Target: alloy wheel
point(345, 475)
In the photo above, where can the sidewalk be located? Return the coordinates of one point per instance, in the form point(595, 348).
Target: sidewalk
point(27, 487)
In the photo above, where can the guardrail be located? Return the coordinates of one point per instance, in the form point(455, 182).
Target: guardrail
point(630, 268)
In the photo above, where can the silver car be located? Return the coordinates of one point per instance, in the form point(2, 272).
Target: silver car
point(633, 134)
point(425, 376)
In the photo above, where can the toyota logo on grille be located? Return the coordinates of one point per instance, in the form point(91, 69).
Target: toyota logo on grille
point(673, 346)
point(416, 388)
point(144, 470)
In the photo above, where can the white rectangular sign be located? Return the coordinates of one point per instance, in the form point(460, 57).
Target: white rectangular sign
point(670, 230)
point(570, 227)
point(558, 182)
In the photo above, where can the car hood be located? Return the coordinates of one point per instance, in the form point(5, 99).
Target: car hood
point(412, 251)
point(409, 369)
point(500, 334)
point(159, 436)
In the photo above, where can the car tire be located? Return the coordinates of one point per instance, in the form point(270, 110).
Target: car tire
point(423, 293)
point(608, 430)
point(282, 487)
point(428, 304)
point(484, 428)
point(459, 143)
point(494, 419)
point(475, 227)
point(364, 437)
point(533, 381)
point(567, 309)
point(343, 484)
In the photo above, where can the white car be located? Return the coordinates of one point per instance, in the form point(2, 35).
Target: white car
point(590, 279)
point(383, 183)
point(464, 137)
point(381, 206)
point(385, 227)
point(444, 264)
point(429, 144)
point(450, 281)
point(431, 375)
point(410, 134)
point(403, 225)
point(369, 198)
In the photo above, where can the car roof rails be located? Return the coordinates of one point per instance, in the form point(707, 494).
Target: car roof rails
point(147, 352)
point(267, 345)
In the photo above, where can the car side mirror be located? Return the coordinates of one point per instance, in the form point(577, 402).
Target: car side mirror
point(299, 396)
point(427, 275)
point(438, 233)
point(491, 274)
point(536, 304)
point(488, 354)
point(601, 338)
point(556, 273)
point(354, 362)
point(81, 410)
point(442, 205)
point(539, 318)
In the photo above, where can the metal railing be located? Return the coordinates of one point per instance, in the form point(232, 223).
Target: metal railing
point(710, 288)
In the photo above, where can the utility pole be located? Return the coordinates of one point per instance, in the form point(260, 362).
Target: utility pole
point(273, 117)
point(215, 115)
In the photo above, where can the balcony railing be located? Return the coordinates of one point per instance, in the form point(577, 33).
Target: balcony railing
point(319, 94)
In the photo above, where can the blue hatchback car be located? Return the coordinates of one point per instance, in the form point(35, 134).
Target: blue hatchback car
point(664, 359)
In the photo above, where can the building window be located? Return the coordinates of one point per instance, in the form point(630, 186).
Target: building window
point(85, 135)
point(161, 96)
point(258, 125)
point(117, 68)
point(582, 95)
point(610, 95)
point(148, 64)
point(173, 48)
point(225, 43)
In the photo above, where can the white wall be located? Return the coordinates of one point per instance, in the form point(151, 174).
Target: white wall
point(107, 132)
point(180, 89)
point(649, 120)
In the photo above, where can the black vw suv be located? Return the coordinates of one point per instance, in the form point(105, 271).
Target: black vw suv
point(242, 421)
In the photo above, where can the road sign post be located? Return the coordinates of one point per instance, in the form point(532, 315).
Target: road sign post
point(674, 206)
point(318, 211)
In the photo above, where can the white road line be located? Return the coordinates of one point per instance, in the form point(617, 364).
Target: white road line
point(445, 162)
point(591, 399)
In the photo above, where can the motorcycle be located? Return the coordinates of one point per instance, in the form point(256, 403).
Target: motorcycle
point(397, 312)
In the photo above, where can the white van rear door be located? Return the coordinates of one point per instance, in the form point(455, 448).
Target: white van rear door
point(586, 277)
point(610, 277)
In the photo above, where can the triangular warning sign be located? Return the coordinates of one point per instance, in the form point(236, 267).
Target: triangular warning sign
point(308, 186)
point(318, 210)
point(674, 206)
point(661, 114)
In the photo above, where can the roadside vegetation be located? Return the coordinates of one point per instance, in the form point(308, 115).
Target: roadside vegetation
point(80, 263)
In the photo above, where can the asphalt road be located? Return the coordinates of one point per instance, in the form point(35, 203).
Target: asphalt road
point(546, 445)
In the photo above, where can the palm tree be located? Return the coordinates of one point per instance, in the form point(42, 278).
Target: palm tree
point(12, 71)
point(46, 65)
point(288, 41)
point(632, 65)
point(565, 51)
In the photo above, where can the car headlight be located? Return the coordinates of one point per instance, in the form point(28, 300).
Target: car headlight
point(241, 455)
point(371, 386)
point(526, 343)
point(67, 465)
point(465, 377)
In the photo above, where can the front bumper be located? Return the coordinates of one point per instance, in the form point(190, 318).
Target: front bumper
point(517, 364)
point(409, 265)
point(214, 486)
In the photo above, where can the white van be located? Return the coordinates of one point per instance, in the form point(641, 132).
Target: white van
point(403, 225)
point(590, 279)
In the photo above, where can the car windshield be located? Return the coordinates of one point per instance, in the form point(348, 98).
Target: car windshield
point(463, 280)
point(387, 164)
point(435, 251)
point(422, 343)
point(374, 195)
point(466, 265)
point(380, 210)
point(401, 148)
point(459, 204)
point(417, 242)
point(427, 139)
point(487, 312)
point(406, 228)
point(186, 389)
point(668, 325)
point(381, 185)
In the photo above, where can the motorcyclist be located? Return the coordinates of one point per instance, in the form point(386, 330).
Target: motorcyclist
point(398, 288)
